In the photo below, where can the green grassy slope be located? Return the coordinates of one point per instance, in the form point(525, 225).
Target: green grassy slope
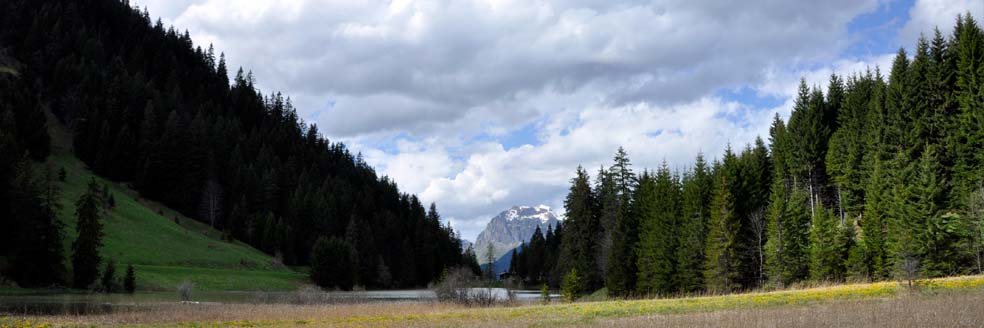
point(164, 251)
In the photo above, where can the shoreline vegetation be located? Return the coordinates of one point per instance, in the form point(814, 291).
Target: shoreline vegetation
point(955, 299)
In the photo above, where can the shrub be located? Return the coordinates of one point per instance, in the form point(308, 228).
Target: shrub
point(457, 286)
point(545, 294)
point(184, 290)
point(570, 287)
point(333, 264)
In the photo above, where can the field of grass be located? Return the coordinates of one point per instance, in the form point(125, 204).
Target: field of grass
point(950, 302)
point(165, 247)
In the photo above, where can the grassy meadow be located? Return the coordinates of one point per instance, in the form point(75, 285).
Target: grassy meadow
point(950, 302)
point(165, 247)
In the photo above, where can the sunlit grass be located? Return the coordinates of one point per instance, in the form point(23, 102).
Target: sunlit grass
point(165, 247)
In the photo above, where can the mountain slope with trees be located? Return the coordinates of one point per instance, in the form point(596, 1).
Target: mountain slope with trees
point(150, 109)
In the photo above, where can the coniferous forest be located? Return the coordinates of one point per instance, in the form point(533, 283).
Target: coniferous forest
point(876, 176)
point(148, 108)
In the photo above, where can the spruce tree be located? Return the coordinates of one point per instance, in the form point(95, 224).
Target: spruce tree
point(809, 144)
point(658, 214)
point(608, 208)
point(694, 216)
point(620, 272)
point(935, 231)
point(85, 249)
point(720, 266)
point(30, 224)
point(968, 48)
point(108, 280)
point(129, 280)
point(580, 227)
point(332, 264)
point(825, 252)
point(788, 243)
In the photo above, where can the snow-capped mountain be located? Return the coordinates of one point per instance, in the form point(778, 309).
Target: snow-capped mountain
point(511, 228)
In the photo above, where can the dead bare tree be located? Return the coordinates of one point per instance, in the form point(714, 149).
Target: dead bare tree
point(211, 207)
point(757, 224)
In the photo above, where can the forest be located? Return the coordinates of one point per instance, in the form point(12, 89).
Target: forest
point(148, 108)
point(876, 177)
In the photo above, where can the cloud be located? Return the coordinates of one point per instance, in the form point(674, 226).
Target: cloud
point(425, 66)
point(428, 90)
point(925, 15)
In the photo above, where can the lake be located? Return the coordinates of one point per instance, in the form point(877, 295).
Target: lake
point(53, 303)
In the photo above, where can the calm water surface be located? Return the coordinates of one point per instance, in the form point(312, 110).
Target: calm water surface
point(53, 303)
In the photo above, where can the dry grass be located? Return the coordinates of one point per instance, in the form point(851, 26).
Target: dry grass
point(952, 302)
point(947, 310)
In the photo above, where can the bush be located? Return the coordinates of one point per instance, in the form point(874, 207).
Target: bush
point(130, 280)
point(184, 290)
point(333, 264)
point(571, 287)
point(544, 294)
point(457, 286)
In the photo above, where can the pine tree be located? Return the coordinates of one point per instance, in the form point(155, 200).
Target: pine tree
point(620, 272)
point(825, 252)
point(129, 280)
point(608, 210)
point(332, 264)
point(108, 280)
point(34, 230)
point(809, 146)
point(968, 48)
point(85, 249)
point(692, 232)
point(935, 231)
point(658, 223)
point(752, 200)
point(580, 227)
point(904, 219)
point(788, 235)
point(720, 266)
point(846, 149)
point(874, 227)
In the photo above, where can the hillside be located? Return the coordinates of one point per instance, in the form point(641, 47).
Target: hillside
point(159, 115)
point(164, 251)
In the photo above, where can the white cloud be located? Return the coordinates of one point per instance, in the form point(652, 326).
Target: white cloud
point(420, 86)
point(926, 15)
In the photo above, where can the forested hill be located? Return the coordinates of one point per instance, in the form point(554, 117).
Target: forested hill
point(878, 176)
point(150, 108)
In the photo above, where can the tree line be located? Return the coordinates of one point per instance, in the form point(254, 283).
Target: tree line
point(869, 179)
point(149, 108)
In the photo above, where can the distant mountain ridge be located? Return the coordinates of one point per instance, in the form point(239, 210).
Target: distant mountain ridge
point(512, 228)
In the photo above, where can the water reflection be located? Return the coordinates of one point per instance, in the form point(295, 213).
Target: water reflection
point(42, 303)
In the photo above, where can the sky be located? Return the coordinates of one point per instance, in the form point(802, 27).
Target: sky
point(479, 105)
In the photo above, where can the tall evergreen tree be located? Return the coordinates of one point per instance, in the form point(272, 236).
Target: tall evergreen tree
point(580, 228)
point(658, 209)
point(826, 253)
point(789, 236)
point(85, 249)
point(809, 147)
point(720, 266)
point(621, 265)
point(692, 232)
point(968, 48)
